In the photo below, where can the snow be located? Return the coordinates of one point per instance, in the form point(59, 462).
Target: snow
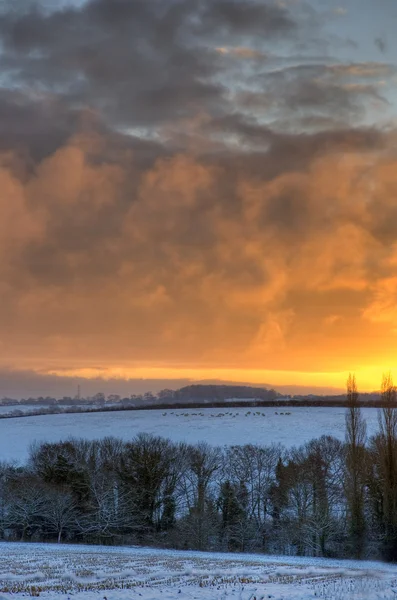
point(233, 426)
point(93, 572)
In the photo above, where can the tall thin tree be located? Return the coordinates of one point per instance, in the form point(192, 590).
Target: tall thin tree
point(356, 433)
point(388, 436)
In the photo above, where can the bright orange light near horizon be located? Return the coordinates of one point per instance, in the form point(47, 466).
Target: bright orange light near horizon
point(368, 379)
point(231, 215)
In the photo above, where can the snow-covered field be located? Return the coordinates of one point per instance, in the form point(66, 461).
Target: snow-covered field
point(288, 426)
point(98, 573)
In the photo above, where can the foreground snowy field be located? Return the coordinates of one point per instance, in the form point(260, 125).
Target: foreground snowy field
point(95, 573)
point(219, 427)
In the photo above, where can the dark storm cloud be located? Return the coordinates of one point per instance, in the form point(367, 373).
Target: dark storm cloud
point(34, 125)
point(381, 44)
point(244, 17)
point(318, 90)
point(137, 62)
point(146, 65)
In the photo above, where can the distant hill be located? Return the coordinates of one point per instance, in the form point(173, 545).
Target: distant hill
point(301, 390)
point(190, 396)
point(216, 393)
point(18, 384)
point(234, 394)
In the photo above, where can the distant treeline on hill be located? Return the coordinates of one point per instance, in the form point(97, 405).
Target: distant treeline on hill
point(188, 394)
point(192, 393)
point(214, 395)
point(191, 396)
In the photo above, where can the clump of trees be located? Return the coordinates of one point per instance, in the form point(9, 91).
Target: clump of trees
point(326, 498)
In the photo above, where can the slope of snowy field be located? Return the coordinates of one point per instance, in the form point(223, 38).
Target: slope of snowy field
point(89, 572)
point(288, 426)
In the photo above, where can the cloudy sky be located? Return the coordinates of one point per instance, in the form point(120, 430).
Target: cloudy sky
point(199, 189)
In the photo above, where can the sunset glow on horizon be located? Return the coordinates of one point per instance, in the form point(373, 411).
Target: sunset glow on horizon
point(199, 189)
point(369, 379)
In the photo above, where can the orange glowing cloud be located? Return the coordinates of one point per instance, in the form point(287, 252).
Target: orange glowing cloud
point(176, 204)
point(192, 278)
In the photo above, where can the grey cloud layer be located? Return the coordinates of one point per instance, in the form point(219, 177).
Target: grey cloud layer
point(149, 66)
point(139, 62)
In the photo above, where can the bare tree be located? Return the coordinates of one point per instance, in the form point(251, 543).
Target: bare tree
point(111, 513)
point(148, 471)
point(27, 503)
point(325, 466)
point(356, 433)
point(388, 464)
point(59, 513)
point(309, 486)
point(203, 463)
point(255, 468)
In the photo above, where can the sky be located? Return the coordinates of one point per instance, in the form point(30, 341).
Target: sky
point(198, 189)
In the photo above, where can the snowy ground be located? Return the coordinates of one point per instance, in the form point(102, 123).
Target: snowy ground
point(88, 573)
point(219, 427)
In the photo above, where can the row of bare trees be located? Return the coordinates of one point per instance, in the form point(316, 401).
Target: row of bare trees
point(371, 473)
point(326, 498)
